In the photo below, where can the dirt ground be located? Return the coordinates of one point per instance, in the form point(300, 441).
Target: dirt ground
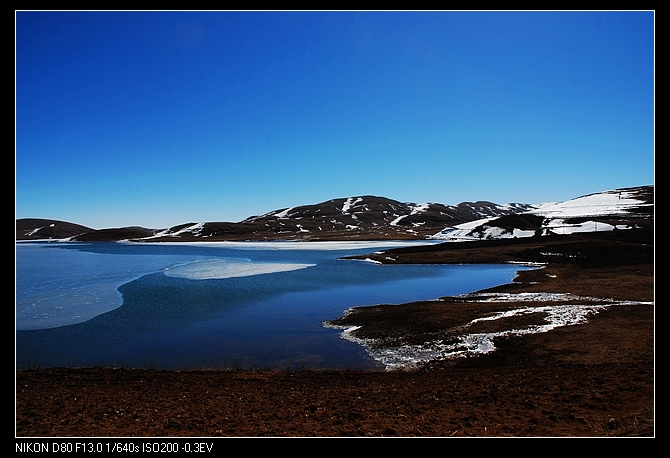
point(595, 379)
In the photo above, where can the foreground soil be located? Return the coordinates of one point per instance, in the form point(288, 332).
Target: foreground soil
point(591, 379)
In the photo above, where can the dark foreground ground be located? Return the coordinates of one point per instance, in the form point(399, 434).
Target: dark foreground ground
point(591, 379)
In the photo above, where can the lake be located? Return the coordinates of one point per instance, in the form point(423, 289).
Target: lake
point(247, 305)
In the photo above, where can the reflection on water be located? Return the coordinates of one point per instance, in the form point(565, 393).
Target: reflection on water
point(210, 306)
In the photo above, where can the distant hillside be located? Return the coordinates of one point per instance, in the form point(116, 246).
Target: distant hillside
point(47, 229)
point(352, 218)
point(605, 211)
point(38, 229)
point(380, 218)
point(110, 235)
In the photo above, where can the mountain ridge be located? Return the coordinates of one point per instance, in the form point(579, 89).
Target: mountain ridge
point(379, 218)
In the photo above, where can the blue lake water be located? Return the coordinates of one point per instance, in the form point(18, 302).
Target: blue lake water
point(224, 305)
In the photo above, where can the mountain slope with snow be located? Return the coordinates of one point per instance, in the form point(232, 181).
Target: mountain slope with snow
point(44, 229)
point(380, 218)
point(351, 218)
point(605, 211)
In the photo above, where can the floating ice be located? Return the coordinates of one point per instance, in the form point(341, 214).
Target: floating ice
point(208, 269)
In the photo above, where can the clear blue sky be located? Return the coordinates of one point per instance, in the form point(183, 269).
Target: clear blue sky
point(161, 118)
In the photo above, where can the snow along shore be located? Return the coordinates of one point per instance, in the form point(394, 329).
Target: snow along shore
point(574, 310)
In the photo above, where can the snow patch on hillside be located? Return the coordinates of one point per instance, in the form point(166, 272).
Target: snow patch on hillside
point(556, 216)
point(284, 213)
point(350, 202)
point(397, 220)
point(605, 203)
point(193, 228)
point(420, 208)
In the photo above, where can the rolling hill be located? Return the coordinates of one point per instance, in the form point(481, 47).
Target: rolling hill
point(380, 218)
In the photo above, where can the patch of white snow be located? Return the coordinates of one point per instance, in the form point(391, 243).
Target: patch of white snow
point(350, 202)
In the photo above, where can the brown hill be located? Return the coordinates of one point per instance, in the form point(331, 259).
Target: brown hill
point(40, 229)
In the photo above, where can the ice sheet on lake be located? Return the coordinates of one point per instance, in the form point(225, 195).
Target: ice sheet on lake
point(208, 269)
point(60, 287)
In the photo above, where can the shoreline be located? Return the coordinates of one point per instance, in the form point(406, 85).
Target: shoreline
point(454, 342)
point(593, 379)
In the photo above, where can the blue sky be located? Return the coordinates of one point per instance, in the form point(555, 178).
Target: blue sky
point(160, 118)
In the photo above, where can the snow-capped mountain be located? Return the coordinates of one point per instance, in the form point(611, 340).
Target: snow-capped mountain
point(604, 211)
